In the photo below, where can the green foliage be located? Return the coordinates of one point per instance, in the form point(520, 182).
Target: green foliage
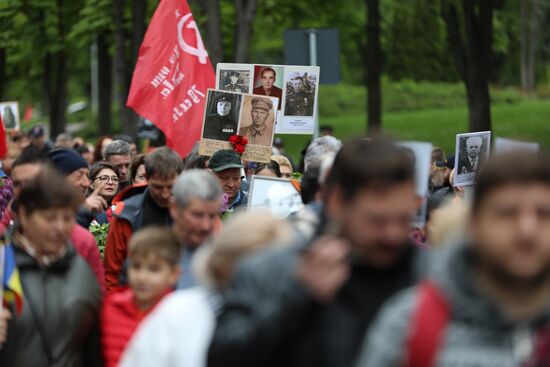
point(100, 232)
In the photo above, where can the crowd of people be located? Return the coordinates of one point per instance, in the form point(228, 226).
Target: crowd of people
point(188, 277)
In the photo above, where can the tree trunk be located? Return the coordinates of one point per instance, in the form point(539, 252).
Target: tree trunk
point(139, 9)
point(122, 70)
point(245, 11)
point(2, 72)
point(55, 79)
point(528, 41)
point(213, 31)
point(373, 60)
point(470, 38)
point(105, 85)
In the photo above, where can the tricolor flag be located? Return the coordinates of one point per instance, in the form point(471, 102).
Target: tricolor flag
point(172, 75)
point(11, 282)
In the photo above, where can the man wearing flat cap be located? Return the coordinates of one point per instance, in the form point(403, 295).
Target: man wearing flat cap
point(234, 86)
point(259, 132)
point(222, 125)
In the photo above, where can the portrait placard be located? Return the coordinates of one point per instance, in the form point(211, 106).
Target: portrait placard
point(10, 115)
point(276, 195)
point(295, 86)
point(230, 113)
point(503, 145)
point(235, 78)
point(422, 153)
point(471, 152)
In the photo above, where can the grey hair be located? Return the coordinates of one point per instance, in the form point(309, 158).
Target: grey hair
point(319, 147)
point(196, 183)
point(63, 137)
point(117, 147)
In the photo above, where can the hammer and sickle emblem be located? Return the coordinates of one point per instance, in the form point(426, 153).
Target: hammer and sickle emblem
point(198, 51)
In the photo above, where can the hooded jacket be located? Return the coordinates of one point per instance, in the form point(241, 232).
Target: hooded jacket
point(477, 334)
point(66, 299)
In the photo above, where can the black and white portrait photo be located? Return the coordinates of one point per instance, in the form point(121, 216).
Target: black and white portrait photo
point(10, 115)
point(300, 94)
point(234, 80)
point(258, 120)
point(276, 195)
point(472, 150)
point(222, 115)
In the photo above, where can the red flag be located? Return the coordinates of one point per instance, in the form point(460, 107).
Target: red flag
point(3, 142)
point(27, 116)
point(172, 75)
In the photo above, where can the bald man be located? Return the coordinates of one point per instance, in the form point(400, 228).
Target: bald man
point(469, 162)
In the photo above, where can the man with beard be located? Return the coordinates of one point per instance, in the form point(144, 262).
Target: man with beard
point(259, 132)
point(310, 304)
point(488, 295)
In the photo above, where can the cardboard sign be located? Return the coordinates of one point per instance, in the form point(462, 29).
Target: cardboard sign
point(296, 87)
point(231, 113)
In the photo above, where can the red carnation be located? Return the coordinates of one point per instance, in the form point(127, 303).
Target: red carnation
point(239, 143)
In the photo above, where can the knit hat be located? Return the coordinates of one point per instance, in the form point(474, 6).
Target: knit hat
point(67, 161)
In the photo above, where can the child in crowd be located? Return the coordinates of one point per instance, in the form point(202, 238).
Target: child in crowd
point(153, 271)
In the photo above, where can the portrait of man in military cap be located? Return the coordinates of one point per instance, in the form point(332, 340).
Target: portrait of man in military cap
point(257, 120)
point(234, 80)
point(220, 121)
point(299, 96)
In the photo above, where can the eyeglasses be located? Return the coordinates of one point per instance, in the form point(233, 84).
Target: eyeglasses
point(105, 179)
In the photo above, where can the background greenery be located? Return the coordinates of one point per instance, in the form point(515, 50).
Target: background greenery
point(423, 97)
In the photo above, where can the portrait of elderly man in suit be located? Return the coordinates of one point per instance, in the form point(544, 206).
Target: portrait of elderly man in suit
point(471, 157)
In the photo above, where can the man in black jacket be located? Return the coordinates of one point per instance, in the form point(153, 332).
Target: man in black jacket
point(310, 304)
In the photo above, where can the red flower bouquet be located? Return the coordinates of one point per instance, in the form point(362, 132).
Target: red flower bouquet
point(239, 143)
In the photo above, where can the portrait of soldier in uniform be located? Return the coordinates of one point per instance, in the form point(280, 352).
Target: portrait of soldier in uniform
point(234, 81)
point(299, 101)
point(221, 124)
point(260, 129)
point(268, 77)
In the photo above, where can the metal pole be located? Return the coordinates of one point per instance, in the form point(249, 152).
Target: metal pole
point(94, 78)
point(312, 35)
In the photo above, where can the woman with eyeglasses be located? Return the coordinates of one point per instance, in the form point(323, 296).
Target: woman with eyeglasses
point(104, 178)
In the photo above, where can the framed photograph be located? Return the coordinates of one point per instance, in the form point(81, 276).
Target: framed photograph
point(10, 115)
point(504, 145)
point(221, 120)
point(422, 153)
point(471, 152)
point(268, 80)
point(276, 195)
point(300, 99)
point(296, 88)
point(257, 122)
point(234, 80)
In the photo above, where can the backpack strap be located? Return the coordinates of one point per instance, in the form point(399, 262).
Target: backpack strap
point(428, 323)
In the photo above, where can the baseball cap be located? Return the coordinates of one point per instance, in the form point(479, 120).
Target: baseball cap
point(36, 132)
point(224, 159)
